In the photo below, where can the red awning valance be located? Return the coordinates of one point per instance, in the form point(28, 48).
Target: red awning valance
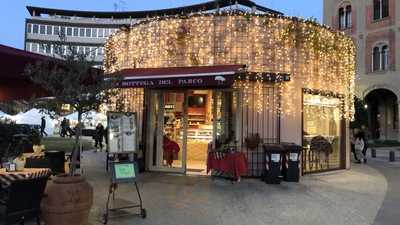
point(174, 77)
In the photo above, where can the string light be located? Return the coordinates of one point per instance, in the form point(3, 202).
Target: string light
point(318, 58)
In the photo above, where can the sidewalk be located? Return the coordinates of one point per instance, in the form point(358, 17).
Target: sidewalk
point(351, 197)
point(389, 212)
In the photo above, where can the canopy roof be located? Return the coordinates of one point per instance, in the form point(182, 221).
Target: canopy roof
point(206, 6)
point(14, 61)
point(14, 85)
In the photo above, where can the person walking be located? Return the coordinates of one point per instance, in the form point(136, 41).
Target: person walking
point(353, 133)
point(68, 129)
point(43, 127)
point(99, 137)
point(359, 147)
point(366, 138)
point(63, 127)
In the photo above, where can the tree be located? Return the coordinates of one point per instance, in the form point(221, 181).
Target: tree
point(70, 79)
point(360, 115)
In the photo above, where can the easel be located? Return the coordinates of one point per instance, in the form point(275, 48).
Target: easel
point(118, 179)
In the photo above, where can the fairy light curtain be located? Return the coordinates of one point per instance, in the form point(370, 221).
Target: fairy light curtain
point(316, 57)
point(130, 100)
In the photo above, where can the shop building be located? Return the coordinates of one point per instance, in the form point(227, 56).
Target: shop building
point(205, 80)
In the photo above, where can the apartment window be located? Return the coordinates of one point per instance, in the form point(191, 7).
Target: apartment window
point(94, 32)
point(64, 50)
point(348, 16)
point(35, 28)
point(381, 9)
point(106, 32)
point(49, 30)
point(345, 21)
point(81, 32)
point(80, 50)
point(41, 48)
point(74, 49)
point(380, 58)
point(76, 32)
point(62, 31)
point(29, 28)
point(87, 50)
point(384, 57)
point(100, 52)
point(47, 48)
point(42, 29)
point(34, 47)
point(56, 30)
point(101, 32)
point(92, 52)
point(69, 31)
point(88, 32)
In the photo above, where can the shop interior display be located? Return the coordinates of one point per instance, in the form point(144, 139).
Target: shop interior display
point(321, 135)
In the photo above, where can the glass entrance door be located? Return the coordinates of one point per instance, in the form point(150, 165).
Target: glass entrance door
point(182, 124)
point(167, 134)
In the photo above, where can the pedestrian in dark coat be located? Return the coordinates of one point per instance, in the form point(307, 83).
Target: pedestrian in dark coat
point(43, 127)
point(99, 137)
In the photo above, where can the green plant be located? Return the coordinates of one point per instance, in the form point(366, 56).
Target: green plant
point(360, 115)
point(72, 81)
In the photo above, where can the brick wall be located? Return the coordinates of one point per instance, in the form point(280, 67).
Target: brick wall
point(371, 24)
point(386, 36)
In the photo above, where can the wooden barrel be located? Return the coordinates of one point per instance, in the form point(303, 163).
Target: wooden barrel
point(68, 201)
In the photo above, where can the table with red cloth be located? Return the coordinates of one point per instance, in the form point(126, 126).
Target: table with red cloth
point(233, 163)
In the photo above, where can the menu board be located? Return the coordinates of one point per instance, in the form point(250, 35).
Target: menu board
point(123, 172)
point(122, 135)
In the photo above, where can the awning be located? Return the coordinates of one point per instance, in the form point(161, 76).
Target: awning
point(14, 85)
point(186, 77)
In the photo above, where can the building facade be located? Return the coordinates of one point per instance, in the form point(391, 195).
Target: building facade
point(374, 26)
point(87, 31)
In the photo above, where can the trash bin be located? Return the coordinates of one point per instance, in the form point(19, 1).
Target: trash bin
point(273, 155)
point(291, 162)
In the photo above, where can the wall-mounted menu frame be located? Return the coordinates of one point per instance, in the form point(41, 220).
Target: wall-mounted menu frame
point(122, 132)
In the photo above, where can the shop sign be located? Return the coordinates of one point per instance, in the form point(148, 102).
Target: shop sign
point(206, 81)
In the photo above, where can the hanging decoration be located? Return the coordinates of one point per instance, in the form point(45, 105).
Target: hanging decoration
point(316, 57)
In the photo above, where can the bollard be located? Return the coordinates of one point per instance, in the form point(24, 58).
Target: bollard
point(392, 156)
point(373, 153)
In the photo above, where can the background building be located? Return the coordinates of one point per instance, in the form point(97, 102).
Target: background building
point(374, 27)
point(88, 30)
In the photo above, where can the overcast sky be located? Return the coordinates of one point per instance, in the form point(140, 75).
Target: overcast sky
point(12, 17)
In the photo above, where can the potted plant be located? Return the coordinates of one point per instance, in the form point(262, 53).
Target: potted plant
point(252, 141)
point(72, 81)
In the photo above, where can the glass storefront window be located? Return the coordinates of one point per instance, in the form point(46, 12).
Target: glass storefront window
point(321, 133)
point(226, 109)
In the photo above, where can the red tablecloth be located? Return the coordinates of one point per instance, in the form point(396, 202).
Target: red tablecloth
point(232, 163)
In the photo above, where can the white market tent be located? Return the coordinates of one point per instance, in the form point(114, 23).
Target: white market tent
point(90, 119)
point(33, 117)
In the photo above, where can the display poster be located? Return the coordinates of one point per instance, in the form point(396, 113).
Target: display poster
point(122, 135)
